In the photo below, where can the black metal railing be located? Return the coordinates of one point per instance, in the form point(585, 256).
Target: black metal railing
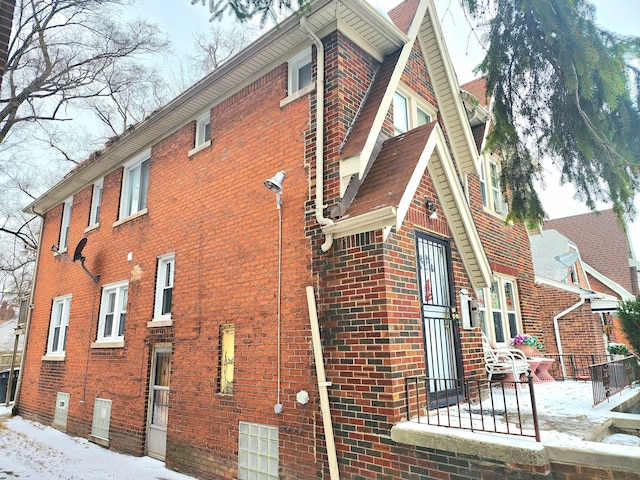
point(573, 366)
point(478, 405)
point(609, 378)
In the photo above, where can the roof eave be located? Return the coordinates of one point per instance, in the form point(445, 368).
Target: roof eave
point(376, 34)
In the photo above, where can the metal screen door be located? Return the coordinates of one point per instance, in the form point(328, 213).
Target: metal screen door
point(159, 403)
point(441, 342)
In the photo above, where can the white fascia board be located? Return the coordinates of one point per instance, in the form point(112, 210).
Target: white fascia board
point(581, 292)
point(473, 257)
point(367, 222)
point(394, 81)
point(616, 287)
point(456, 119)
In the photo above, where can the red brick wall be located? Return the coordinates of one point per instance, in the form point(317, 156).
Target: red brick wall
point(214, 212)
point(580, 330)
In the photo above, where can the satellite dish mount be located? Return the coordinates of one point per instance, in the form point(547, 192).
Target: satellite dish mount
point(77, 255)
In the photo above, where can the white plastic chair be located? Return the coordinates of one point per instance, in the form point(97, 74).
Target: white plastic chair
point(503, 360)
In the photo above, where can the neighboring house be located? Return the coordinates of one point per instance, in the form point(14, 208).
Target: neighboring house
point(603, 244)
point(174, 315)
point(578, 303)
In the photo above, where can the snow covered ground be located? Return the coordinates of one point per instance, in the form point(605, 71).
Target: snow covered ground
point(33, 451)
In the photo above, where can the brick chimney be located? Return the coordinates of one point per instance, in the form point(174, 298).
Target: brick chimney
point(6, 19)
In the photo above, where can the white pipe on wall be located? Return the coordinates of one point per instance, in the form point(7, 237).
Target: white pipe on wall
point(322, 386)
point(319, 200)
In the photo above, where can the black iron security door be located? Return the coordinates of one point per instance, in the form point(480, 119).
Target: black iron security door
point(440, 328)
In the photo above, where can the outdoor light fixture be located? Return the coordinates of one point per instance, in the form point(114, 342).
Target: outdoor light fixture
point(275, 185)
point(431, 208)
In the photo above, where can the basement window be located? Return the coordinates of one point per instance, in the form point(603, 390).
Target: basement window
point(257, 451)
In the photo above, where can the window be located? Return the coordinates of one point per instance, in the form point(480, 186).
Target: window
point(66, 221)
point(203, 129)
point(400, 114)
point(300, 68)
point(492, 197)
point(164, 287)
point(134, 187)
point(410, 111)
point(113, 312)
point(227, 337)
point(96, 201)
point(498, 307)
point(257, 451)
point(58, 325)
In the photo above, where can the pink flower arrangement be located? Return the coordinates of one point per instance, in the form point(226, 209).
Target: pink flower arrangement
point(525, 339)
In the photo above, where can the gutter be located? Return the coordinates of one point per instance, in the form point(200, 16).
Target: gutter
point(16, 401)
point(556, 327)
point(319, 196)
point(322, 386)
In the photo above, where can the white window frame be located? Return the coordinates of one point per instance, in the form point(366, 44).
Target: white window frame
point(492, 199)
point(508, 313)
point(96, 202)
point(414, 103)
point(120, 292)
point(296, 64)
point(60, 311)
point(65, 224)
point(133, 198)
point(164, 282)
point(203, 129)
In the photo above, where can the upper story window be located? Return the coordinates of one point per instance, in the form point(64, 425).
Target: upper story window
point(203, 129)
point(164, 287)
point(410, 110)
point(498, 307)
point(58, 325)
point(300, 68)
point(96, 201)
point(134, 186)
point(113, 312)
point(492, 197)
point(66, 222)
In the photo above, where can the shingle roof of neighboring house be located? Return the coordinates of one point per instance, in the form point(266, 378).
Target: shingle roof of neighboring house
point(477, 88)
point(602, 243)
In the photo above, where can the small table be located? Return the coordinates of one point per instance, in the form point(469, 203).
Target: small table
point(534, 364)
point(542, 372)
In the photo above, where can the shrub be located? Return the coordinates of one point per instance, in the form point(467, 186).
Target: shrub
point(617, 349)
point(629, 315)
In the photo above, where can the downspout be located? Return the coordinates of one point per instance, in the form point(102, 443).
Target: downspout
point(16, 400)
point(319, 196)
point(322, 386)
point(556, 329)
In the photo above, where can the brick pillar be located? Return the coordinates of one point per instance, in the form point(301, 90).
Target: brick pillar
point(6, 19)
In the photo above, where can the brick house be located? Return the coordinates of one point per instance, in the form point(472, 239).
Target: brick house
point(578, 312)
point(590, 231)
point(174, 302)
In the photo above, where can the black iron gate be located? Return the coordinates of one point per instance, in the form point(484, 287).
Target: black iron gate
point(440, 327)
